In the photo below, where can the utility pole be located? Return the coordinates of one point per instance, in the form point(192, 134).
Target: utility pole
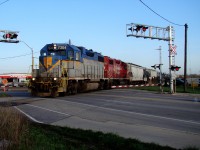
point(185, 59)
point(32, 66)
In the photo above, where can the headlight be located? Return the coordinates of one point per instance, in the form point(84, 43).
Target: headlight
point(54, 79)
point(33, 79)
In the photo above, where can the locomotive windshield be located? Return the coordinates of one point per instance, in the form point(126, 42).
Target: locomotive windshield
point(57, 53)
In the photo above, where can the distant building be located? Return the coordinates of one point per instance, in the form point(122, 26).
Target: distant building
point(12, 79)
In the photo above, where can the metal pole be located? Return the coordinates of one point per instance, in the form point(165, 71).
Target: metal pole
point(160, 69)
point(170, 61)
point(32, 66)
point(160, 65)
point(185, 59)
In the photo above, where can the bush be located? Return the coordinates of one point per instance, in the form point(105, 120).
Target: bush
point(12, 126)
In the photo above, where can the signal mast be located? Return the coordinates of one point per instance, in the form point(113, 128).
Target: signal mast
point(159, 33)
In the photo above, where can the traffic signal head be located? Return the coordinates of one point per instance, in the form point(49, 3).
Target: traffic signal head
point(138, 27)
point(175, 68)
point(144, 28)
point(7, 36)
point(10, 36)
point(154, 66)
point(14, 36)
point(131, 28)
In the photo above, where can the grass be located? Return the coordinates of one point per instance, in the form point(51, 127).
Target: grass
point(179, 89)
point(20, 134)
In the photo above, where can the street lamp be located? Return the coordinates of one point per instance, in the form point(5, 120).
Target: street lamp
point(32, 66)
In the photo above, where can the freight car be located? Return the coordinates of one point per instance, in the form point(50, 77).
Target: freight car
point(68, 69)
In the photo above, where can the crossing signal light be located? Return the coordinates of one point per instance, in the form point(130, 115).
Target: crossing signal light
point(138, 27)
point(175, 68)
point(131, 28)
point(10, 36)
point(144, 28)
point(156, 66)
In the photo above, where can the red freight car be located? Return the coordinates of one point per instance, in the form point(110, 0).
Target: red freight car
point(123, 73)
point(115, 71)
point(108, 67)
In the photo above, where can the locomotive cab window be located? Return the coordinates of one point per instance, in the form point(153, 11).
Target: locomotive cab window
point(70, 55)
point(63, 53)
point(77, 56)
point(52, 53)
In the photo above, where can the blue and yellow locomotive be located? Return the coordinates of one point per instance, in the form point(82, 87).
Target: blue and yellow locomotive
point(67, 69)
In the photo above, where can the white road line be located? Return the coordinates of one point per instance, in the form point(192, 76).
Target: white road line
point(49, 110)
point(130, 112)
point(33, 119)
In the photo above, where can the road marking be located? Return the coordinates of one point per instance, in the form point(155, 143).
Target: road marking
point(144, 98)
point(49, 110)
point(130, 112)
point(33, 119)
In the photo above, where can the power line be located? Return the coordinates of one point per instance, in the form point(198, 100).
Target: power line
point(159, 14)
point(11, 57)
point(15, 56)
point(4, 2)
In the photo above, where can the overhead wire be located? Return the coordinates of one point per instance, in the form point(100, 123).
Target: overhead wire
point(4, 2)
point(159, 14)
point(11, 57)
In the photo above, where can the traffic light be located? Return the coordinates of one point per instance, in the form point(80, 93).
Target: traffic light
point(10, 36)
point(175, 68)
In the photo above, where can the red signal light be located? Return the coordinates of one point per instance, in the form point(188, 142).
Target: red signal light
point(138, 28)
point(177, 68)
point(7, 36)
point(10, 36)
point(144, 28)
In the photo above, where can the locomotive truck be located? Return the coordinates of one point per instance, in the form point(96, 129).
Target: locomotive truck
point(67, 69)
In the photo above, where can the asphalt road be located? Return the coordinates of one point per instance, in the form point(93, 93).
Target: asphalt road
point(172, 120)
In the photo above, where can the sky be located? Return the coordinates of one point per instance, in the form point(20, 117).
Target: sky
point(99, 25)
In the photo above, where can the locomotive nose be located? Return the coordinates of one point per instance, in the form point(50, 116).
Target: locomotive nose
point(47, 61)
